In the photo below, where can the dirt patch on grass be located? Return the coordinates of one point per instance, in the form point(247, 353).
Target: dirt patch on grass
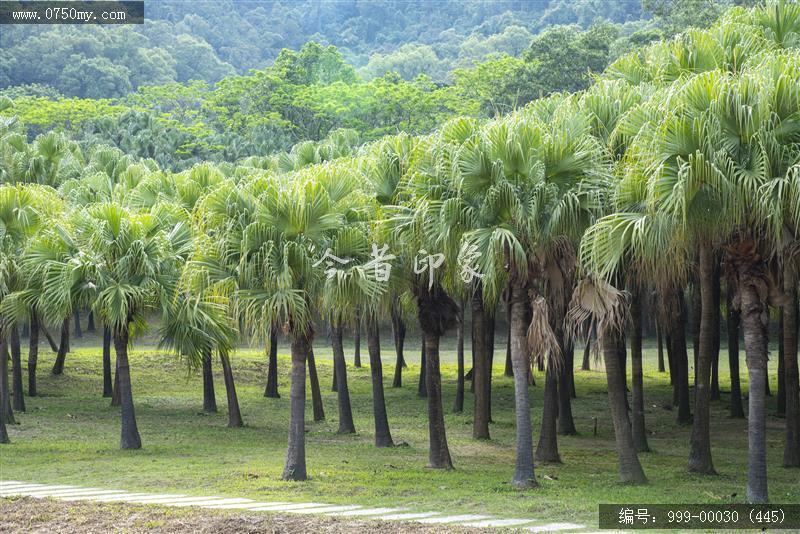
point(27, 514)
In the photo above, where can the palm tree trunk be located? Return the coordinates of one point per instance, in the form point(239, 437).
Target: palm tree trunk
point(295, 467)
point(33, 353)
point(754, 325)
point(90, 322)
point(660, 338)
point(399, 333)
point(547, 448)
point(571, 371)
point(696, 318)
point(524, 476)
point(680, 355)
point(716, 331)
point(357, 343)
point(334, 380)
point(383, 436)
point(422, 390)
point(50, 340)
point(77, 315)
point(3, 431)
point(509, 369)
point(587, 351)
point(780, 402)
point(316, 394)
point(271, 390)
point(129, 436)
point(3, 390)
point(622, 355)
point(637, 378)
point(671, 367)
point(234, 414)
point(490, 329)
point(63, 348)
point(700, 443)
point(566, 423)
point(767, 389)
point(791, 451)
point(108, 389)
point(115, 396)
point(346, 425)
point(209, 399)
point(458, 403)
point(439, 453)
point(16, 362)
point(480, 367)
point(736, 408)
point(5, 393)
point(630, 470)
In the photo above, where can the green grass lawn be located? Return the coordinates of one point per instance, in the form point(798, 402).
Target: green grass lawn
point(70, 434)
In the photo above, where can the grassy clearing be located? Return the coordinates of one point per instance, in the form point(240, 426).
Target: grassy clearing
point(70, 435)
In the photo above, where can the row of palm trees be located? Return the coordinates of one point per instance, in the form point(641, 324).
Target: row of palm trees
point(679, 163)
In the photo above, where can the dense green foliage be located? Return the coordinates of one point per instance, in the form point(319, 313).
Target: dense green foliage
point(183, 41)
point(505, 56)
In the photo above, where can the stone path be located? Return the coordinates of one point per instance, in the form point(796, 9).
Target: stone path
point(10, 488)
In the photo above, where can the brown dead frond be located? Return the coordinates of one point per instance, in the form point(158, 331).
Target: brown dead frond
point(542, 342)
point(559, 274)
point(597, 305)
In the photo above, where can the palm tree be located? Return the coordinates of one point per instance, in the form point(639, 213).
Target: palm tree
point(344, 285)
point(384, 166)
point(122, 264)
point(195, 327)
point(23, 211)
point(340, 301)
point(598, 306)
point(277, 283)
point(415, 228)
point(721, 158)
point(531, 173)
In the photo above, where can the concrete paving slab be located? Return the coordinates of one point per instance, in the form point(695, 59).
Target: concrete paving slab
point(141, 498)
point(499, 523)
point(105, 498)
point(9, 487)
point(211, 501)
point(171, 499)
point(408, 517)
point(53, 491)
point(555, 527)
point(240, 506)
point(324, 509)
point(27, 490)
point(452, 519)
point(93, 496)
point(72, 492)
point(367, 512)
point(287, 507)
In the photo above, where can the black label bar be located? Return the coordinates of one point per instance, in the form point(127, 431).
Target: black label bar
point(699, 516)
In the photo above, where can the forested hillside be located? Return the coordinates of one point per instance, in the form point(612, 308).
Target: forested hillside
point(170, 91)
point(207, 40)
